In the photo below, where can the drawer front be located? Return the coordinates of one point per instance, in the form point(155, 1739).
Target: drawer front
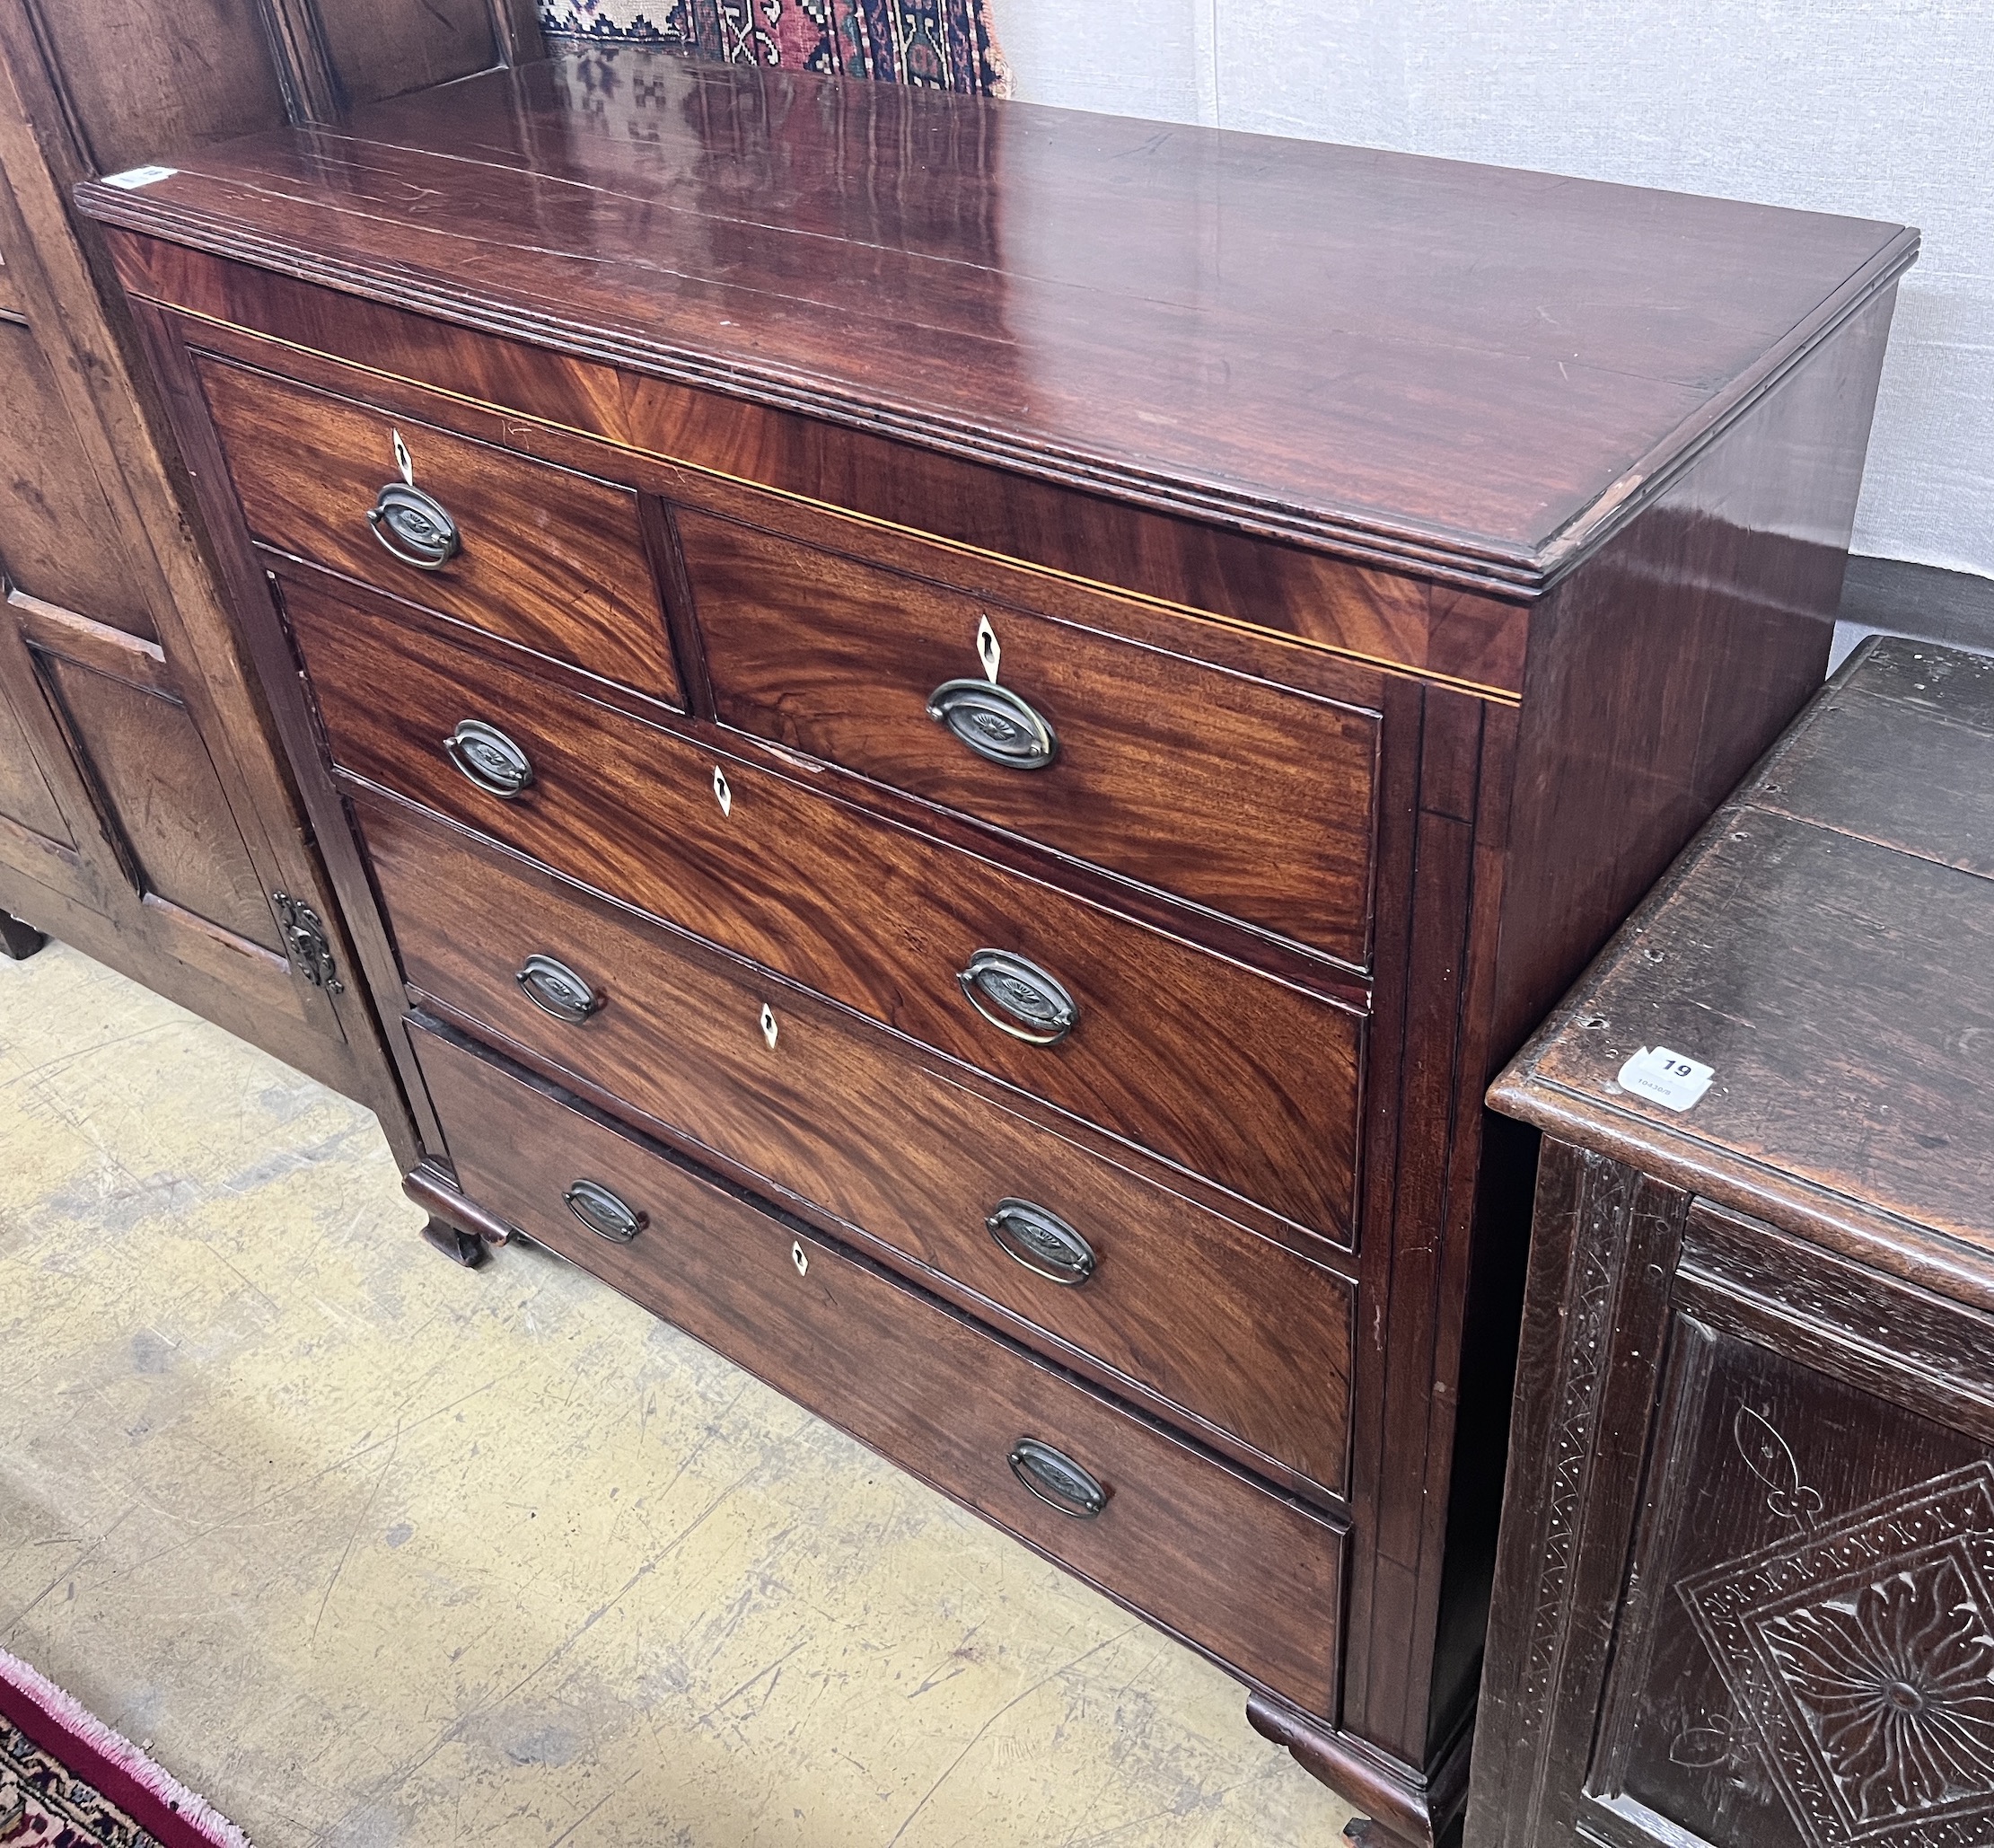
point(548, 559)
point(1233, 1328)
point(1251, 1577)
point(1226, 1071)
point(1245, 798)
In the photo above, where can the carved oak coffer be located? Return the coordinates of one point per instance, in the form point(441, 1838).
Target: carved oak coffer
point(955, 737)
point(1746, 1585)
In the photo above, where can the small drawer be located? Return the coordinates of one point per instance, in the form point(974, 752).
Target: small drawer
point(1241, 797)
point(1251, 1577)
point(1237, 1077)
point(1231, 1328)
point(540, 554)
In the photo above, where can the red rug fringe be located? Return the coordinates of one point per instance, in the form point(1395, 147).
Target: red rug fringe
point(66, 1729)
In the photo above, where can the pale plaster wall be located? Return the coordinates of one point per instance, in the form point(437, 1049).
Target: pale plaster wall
point(1880, 108)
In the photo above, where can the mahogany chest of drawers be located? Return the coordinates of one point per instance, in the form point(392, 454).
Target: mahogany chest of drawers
point(1746, 1597)
point(961, 734)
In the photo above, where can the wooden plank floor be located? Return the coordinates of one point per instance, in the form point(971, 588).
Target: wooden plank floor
point(380, 1553)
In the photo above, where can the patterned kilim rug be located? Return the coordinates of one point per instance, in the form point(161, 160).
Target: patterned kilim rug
point(67, 1781)
point(935, 44)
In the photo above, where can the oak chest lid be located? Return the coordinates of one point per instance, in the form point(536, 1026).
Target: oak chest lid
point(1446, 363)
point(1818, 969)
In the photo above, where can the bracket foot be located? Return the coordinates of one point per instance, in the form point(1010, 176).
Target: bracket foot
point(18, 941)
point(460, 1248)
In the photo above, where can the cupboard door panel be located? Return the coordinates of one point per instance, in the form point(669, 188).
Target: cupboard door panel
point(25, 796)
point(203, 72)
point(1809, 1662)
point(165, 803)
point(386, 47)
point(58, 539)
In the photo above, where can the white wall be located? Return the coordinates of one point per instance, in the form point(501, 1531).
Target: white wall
point(1883, 109)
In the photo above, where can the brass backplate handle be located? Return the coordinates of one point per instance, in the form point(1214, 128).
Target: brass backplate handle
point(1042, 1241)
point(1057, 1480)
point(994, 723)
point(415, 527)
point(489, 759)
point(555, 989)
point(1017, 996)
point(604, 1212)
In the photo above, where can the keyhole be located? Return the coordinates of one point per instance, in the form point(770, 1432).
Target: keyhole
point(403, 460)
point(798, 1257)
point(722, 794)
point(987, 648)
point(768, 1026)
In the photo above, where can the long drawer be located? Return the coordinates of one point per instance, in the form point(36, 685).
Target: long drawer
point(547, 558)
point(1231, 1074)
point(1238, 1332)
point(1249, 799)
point(1249, 1577)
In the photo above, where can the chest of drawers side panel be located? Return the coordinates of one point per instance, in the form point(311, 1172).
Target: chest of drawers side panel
point(1664, 664)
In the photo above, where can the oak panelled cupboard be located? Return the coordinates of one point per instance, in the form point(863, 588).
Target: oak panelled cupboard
point(957, 736)
point(146, 814)
point(1747, 1588)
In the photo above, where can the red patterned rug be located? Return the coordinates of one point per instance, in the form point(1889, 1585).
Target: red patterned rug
point(934, 44)
point(67, 1781)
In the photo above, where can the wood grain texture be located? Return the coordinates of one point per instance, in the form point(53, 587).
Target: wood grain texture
point(1391, 306)
point(1603, 1241)
point(1661, 673)
point(1251, 1579)
point(542, 402)
point(120, 601)
point(1401, 1807)
point(1917, 726)
point(147, 76)
point(1828, 979)
point(1570, 653)
point(25, 796)
point(1189, 780)
point(382, 48)
point(58, 539)
point(1752, 1486)
point(1230, 1330)
point(551, 560)
point(157, 784)
point(1176, 1048)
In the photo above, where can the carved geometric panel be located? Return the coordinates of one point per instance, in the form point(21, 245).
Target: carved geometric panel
point(1804, 1656)
point(1861, 1655)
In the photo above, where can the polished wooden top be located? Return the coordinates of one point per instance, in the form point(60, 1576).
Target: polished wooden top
point(1452, 361)
point(1827, 944)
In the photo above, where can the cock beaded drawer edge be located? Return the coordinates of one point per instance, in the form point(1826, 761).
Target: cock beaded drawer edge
point(961, 734)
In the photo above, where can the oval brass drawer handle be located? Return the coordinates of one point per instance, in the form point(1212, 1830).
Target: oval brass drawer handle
point(604, 1212)
point(1042, 1241)
point(1057, 1480)
point(555, 989)
point(415, 527)
point(1017, 996)
point(489, 759)
point(994, 723)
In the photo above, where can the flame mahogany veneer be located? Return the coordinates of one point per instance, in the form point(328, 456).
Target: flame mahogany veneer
point(1297, 597)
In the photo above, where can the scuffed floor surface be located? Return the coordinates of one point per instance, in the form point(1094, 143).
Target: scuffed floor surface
point(376, 1552)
